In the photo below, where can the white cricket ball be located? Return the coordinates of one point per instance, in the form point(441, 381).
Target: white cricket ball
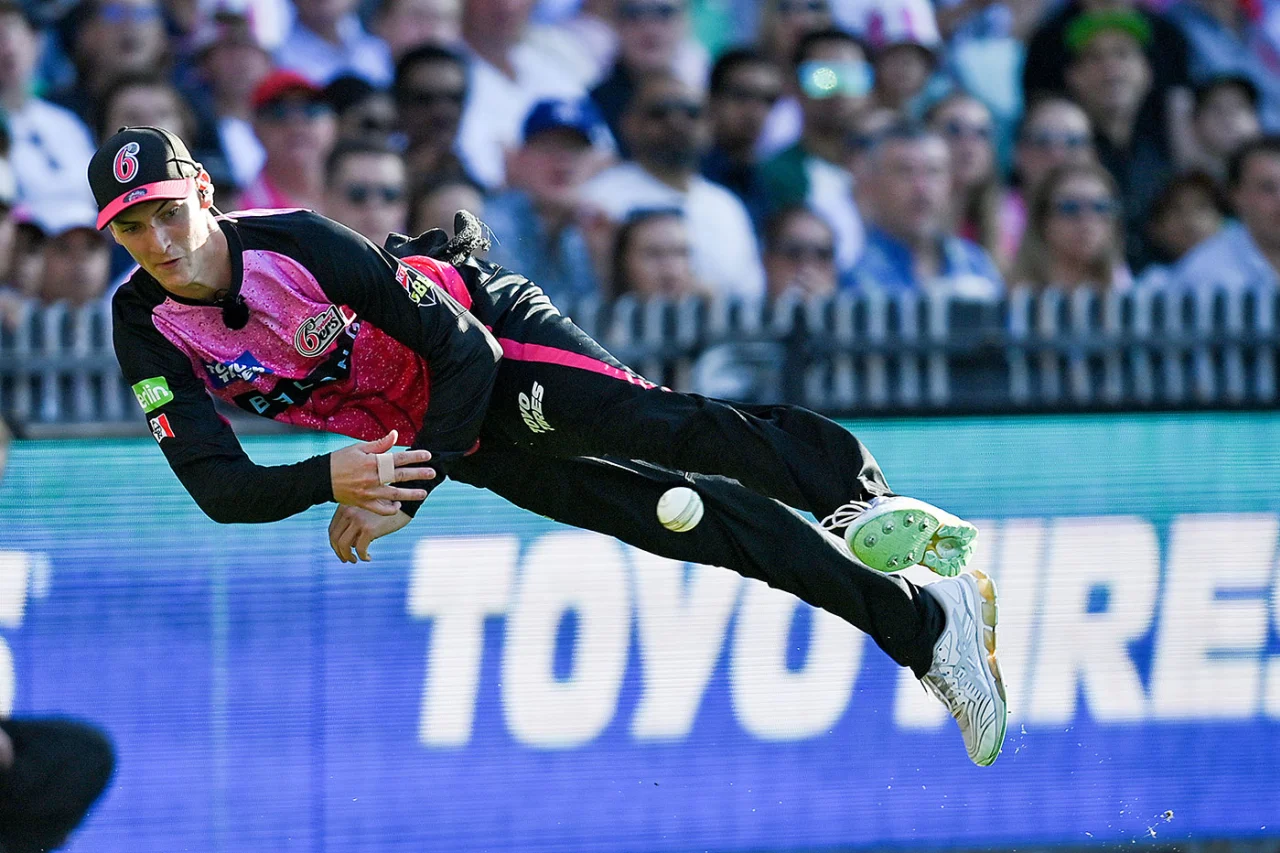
point(680, 509)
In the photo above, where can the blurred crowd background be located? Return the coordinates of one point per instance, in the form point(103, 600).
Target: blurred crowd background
point(679, 147)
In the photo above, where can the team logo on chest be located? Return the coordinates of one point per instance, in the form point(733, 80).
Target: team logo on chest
point(316, 333)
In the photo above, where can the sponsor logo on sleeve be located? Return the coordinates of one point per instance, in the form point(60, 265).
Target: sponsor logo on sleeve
point(531, 410)
point(160, 428)
point(245, 368)
point(152, 393)
point(417, 285)
point(316, 333)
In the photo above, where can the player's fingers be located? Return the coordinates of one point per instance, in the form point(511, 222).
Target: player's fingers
point(393, 493)
point(380, 445)
point(344, 548)
point(336, 535)
point(384, 505)
point(403, 474)
point(363, 540)
point(411, 457)
point(341, 517)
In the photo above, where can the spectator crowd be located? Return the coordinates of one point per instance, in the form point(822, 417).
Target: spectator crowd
point(678, 147)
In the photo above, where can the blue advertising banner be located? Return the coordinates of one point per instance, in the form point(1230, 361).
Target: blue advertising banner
point(493, 681)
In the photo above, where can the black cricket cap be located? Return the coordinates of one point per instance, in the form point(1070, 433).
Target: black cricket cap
point(137, 165)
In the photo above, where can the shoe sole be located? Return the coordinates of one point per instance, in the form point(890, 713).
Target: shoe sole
point(989, 613)
point(903, 532)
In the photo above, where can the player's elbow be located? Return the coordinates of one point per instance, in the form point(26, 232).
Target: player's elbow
point(223, 509)
point(228, 503)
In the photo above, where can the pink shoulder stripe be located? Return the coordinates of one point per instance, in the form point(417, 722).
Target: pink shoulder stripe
point(518, 351)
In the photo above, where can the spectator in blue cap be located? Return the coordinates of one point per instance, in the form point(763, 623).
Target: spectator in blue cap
point(540, 224)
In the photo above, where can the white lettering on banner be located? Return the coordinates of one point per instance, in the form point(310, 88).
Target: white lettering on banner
point(457, 582)
point(1207, 656)
point(564, 571)
point(1075, 593)
point(1019, 576)
point(913, 706)
point(1273, 669)
point(1080, 650)
point(681, 628)
point(771, 701)
point(14, 574)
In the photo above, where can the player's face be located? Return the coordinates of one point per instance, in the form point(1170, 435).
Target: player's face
point(166, 238)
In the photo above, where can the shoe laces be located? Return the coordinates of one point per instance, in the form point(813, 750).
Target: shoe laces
point(844, 515)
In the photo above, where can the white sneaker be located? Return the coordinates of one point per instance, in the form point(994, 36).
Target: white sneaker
point(964, 674)
point(891, 533)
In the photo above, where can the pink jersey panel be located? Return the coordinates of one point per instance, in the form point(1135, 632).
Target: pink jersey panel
point(295, 333)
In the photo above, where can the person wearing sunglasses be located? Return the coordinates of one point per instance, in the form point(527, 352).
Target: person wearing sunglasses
point(832, 80)
point(297, 129)
point(666, 128)
point(1074, 237)
point(650, 35)
point(1053, 132)
point(799, 254)
point(744, 87)
point(430, 93)
point(366, 187)
point(783, 23)
point(966, 124)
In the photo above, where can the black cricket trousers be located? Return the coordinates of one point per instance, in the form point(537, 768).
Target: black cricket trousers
point(573, 435)
point(60, 769)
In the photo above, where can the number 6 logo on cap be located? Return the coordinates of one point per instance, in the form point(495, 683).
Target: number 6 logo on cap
point(126, 163)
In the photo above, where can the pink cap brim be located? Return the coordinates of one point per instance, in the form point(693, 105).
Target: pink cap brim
point(176, 188)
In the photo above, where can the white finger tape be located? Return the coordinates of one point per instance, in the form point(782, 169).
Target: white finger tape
point(386, 468)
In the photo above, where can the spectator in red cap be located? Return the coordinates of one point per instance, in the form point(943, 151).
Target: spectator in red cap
point(297, 128)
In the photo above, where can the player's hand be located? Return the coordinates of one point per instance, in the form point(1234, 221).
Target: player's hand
point(354, 473)
point(355, 528)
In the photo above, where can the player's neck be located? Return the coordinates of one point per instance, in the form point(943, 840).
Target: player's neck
point(213, 268)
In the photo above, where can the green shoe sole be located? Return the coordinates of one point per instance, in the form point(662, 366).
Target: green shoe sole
point(898, 532)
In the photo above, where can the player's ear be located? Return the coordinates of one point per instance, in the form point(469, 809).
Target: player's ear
point(204, 189)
